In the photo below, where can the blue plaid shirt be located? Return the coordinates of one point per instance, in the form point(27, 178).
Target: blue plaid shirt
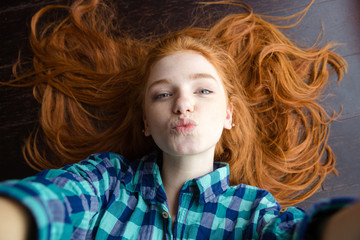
point(105, 197)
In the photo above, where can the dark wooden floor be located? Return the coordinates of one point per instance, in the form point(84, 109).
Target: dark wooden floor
point(341, 21)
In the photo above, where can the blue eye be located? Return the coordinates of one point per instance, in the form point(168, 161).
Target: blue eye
point(205, 91)
point(162, 95)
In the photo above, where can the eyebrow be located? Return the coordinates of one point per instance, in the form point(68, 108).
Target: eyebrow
point(194, 76)
point(201, 75)
point(161, 81)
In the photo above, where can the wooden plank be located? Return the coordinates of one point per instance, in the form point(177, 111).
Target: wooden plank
point(346, 94)
point(345, 143)
point(16, 5)
point(15, 17)
point(351, 191)
point(341, 21)
point(340, 18)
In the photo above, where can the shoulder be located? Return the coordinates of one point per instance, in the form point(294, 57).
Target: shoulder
point(95, 167)
point(261, 203)
point(251, 194)
point(260, 213)
point(107, 160)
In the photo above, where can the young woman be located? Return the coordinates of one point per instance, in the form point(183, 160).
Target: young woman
point(196, 115)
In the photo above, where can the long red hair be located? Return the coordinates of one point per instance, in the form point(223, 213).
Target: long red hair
point(89, 78)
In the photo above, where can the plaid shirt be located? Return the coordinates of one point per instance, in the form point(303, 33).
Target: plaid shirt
point(104, 197)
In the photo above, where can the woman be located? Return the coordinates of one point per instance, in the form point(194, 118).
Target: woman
point(200, 95)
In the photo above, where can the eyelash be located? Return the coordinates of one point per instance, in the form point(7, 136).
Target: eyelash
point(162, 95)
point(165, 95)
point(203, 90)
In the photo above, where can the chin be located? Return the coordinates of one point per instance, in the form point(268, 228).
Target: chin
point(184, 152)
point(191, 151)
point(188, 146)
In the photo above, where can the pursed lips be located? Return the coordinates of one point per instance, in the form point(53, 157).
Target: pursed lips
point(183, 126)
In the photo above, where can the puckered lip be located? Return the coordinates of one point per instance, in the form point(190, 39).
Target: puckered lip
point(183, 125)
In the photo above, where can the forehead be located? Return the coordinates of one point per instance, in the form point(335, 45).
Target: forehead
point(181, 64)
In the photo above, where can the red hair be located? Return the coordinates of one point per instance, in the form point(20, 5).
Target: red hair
point(89, 78)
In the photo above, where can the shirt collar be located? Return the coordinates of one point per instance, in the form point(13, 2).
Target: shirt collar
point(144, 176)
point(213, 184)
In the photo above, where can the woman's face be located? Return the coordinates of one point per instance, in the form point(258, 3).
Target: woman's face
point(185, 105)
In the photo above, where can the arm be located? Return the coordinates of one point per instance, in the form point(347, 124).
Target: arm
point(344, 224)
point(328, 219)
point(62, 201)
point(16, 222)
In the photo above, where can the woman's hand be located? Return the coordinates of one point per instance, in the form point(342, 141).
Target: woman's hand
point(345, 224)
point(13, 220)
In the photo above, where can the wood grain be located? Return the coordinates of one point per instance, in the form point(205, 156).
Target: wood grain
point(339, 19)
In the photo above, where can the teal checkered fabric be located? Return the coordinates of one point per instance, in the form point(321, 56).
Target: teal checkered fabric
point(106, 197)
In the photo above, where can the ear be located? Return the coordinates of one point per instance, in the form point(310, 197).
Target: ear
point(228, 117)
point(147, 132)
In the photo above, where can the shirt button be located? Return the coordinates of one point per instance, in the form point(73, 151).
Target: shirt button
point(165, 214)
point(283, 210)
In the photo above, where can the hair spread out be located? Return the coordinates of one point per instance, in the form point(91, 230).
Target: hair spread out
point(89, 77)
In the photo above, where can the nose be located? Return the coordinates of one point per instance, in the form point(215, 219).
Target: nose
point(183, 104)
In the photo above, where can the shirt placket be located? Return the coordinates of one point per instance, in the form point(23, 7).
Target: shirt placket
point(185, 200)
point(164, 211)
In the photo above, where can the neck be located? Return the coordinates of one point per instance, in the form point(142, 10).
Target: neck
point(176, 170)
